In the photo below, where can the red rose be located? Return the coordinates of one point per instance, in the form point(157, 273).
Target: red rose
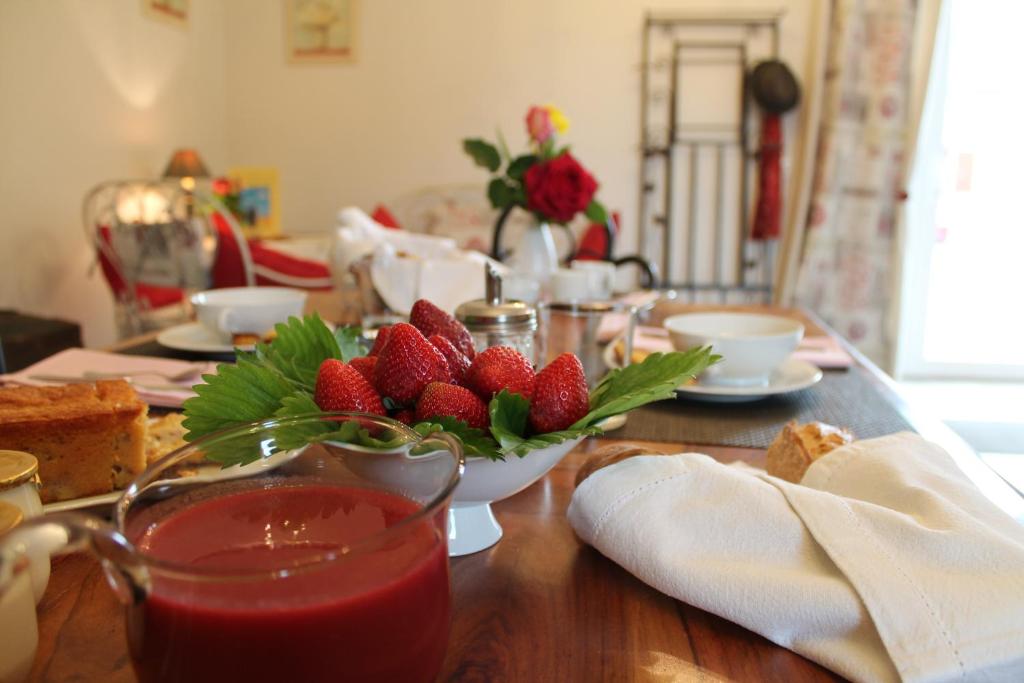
point(221, 187)
point(559, 189)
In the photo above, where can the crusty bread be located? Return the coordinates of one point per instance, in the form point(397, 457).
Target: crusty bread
point(88, 438)
point(797, 446)
point(609, 455)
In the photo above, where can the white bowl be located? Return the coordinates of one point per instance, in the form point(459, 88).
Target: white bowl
point(471, 523)
point(751, 344)
point(249, 310)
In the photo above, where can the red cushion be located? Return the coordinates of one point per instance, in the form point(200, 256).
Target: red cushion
point(267, 261)
point(385, 217)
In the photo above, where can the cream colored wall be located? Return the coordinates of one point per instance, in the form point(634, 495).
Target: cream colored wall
point(92, 90)
point(431, 73)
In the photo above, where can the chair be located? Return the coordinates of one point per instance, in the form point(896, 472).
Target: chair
point(155, 242)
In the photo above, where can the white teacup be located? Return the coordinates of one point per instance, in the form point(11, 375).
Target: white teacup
point(751, 345)
point(601, 276)
point(246, 310)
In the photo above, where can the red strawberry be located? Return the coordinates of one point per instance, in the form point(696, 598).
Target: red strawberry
point(341, 387)
point(407, 364)
point(365, 366)
point(457, 362)
point(381, 340)
point(431, 320)
point(560, 396)
point(405, 416)
point(497, 368)
point(449, 399)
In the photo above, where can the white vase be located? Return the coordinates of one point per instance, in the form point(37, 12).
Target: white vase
point(535, 255)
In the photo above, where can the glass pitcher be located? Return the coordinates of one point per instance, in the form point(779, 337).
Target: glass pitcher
point(324, 558)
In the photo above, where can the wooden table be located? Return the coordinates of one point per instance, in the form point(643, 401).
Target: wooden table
point(538, 606)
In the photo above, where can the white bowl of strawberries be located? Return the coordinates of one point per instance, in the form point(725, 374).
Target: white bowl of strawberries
point(515, 424)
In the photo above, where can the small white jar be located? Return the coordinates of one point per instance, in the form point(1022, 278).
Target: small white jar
point(18, 629)
point(19, 482)
point(19, 487)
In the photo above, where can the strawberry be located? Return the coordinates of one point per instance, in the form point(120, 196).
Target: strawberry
point(407, 364)
point(497, 368)
point(560, 396)
point(440, 399)
point(405, 416)
point(457, 361)
point(341, 387)
point(365, 366)
point(431, 320)
point(380, 341)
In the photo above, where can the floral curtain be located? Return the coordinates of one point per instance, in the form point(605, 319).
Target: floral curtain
point(848, 265)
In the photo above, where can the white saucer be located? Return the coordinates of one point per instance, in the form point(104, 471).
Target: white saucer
point(793, 375)
point(195, 337)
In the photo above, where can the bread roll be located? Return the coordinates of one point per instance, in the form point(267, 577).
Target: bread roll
point(797, 446)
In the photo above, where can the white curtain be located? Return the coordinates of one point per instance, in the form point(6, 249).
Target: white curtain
point(847, 248)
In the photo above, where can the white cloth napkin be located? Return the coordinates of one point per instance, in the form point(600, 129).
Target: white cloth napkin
point(408, 266)
point(886, 563)
point(75, 362)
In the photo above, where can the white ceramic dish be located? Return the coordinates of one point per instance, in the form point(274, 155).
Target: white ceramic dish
point(196, 338)
point(792, 375)
point(471, 523)
point(246, 310)
point(752, 345)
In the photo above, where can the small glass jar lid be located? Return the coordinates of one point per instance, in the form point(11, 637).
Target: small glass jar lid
point(10, 516)
point(481, 315)
point(17, 467)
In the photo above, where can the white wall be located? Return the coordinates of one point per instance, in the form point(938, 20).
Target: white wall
point(92, 90)
point(429, 74)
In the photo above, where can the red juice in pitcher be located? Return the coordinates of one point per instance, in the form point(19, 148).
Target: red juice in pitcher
point(379, 613)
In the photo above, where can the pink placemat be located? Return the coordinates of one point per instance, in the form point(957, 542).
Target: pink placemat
point(154, 389)
point(822, 351)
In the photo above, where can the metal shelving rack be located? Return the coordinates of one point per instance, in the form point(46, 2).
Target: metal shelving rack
point(670, 230)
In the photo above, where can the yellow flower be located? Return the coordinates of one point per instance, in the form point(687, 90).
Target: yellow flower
point(558, 119)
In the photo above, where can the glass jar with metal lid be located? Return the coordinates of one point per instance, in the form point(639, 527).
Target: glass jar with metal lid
point(573, 326)
point(19, 482)
point(494, 321)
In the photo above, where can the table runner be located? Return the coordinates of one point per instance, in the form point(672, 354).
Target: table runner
point(843, 398)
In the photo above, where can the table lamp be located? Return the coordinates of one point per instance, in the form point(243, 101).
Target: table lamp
point(186, 165)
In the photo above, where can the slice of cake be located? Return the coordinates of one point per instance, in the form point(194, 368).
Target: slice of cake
point(88, 438)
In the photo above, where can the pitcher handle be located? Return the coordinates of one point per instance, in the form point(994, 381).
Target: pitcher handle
point(31, 545)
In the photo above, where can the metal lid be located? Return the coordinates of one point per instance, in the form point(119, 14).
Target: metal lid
point(486, 316)
point(588, 307)
point(16, 467)
point(10, 516)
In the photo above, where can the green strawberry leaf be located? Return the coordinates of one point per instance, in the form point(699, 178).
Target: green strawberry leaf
point(299, 349)
point(654, 379)
point(509, 414)
point(238, 394)
point(350, 343)
point(474, 441)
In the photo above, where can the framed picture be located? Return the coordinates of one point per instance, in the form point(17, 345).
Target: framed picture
point(320, 31)
point(171, 11)
point(258, 206)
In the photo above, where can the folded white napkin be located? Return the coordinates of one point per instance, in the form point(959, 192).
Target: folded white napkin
point(73, 363)
point(885, 564)
point(408, 266)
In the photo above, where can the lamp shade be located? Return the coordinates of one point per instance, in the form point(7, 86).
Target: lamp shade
point(186, 164)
